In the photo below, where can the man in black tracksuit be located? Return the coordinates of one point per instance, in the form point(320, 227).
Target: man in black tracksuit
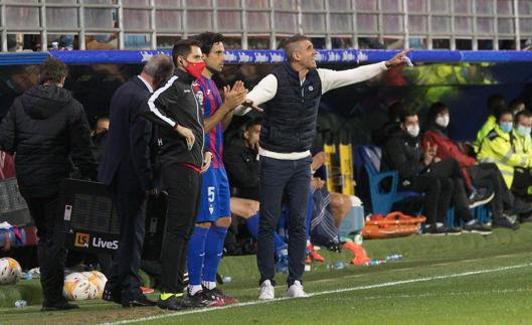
point(45, 128)
point(181, 135)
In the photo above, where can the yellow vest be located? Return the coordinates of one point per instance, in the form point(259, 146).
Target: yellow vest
point(490, 123)
point(507, 150)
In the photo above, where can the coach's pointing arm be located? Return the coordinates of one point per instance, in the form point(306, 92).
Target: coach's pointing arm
point(330, 79)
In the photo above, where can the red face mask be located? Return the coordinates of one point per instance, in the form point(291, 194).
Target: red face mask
point(195, 69)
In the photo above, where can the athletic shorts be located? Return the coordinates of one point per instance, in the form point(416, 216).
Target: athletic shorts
point(215, 196)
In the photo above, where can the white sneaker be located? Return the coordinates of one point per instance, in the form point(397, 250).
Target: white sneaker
point(296, 291)
point(267, 291)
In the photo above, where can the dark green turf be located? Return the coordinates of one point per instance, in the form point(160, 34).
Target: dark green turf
point(493, 297)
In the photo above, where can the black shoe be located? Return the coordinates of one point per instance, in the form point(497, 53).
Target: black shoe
point(477, 227)
point(112, 295)
point(140, 301)
point(217, 298)
point(63, 305)
point(195, 301)
point(172, 303)
point(480, 197)
point(453, 231)
point(435, 230)
point(505, 222)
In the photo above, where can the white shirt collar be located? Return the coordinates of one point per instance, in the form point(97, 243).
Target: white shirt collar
point(146, 83)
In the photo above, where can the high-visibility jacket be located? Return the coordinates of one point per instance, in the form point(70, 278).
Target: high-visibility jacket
point(507, 150)
point(490, 123)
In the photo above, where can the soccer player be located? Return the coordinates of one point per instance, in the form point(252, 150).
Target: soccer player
point(206, 243)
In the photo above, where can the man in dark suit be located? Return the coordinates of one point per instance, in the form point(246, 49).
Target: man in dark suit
point(126, 168)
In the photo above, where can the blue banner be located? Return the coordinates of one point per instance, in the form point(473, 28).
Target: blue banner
point(271, 56)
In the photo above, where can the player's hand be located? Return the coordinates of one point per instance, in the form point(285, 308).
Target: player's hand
point(399, 59)
point(234, 96)
point(187, 134)
point(249, 103)
point(207, 157)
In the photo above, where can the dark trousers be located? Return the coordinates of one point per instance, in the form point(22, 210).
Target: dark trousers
point(487, 175)
point(131, 209)
point(183, 186)
point(50, 249)
point(438, 194)
point(449, 169)
point(292, 179)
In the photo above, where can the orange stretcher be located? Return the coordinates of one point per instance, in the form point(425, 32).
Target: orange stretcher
point(395, 224)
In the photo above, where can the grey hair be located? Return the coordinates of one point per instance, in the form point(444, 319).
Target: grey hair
point(159, 67)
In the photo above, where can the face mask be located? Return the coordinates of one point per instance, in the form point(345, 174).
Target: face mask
point(523, 130)
point(506, 126)
point(413, 130)
point(195, 69)
point(443, 120)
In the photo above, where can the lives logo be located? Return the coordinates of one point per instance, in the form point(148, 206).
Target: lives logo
point(84, 240)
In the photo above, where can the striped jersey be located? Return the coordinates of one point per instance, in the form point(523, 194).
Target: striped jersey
point(209, 95)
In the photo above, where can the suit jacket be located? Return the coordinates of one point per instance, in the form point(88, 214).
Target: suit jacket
point(126, 160)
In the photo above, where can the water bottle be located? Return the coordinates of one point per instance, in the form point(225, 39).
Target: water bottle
point(394, 257)
point(19, 304)
point(227, 279)
point(339, 265)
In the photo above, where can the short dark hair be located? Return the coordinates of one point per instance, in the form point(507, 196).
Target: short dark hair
point(183, 48)
point(52, 70)
point(524, 113)
point(502, 110)
point(395, 110)
point(252, 122)
point(288, 45)
point(207, 40)
point(435, 109)
point(405, 114)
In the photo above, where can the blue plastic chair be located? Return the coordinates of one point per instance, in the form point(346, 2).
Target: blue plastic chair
point(382, 200)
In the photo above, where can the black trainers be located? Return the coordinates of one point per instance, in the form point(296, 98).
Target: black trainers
point(453, 231)
point(217, 298)
point(62, 305)
point(171, 303)
point(477, 227)
point(195, 301)
point(505, 222)
point(112, 295)
point(140, 301)
point(480, 197)
point(434, 230)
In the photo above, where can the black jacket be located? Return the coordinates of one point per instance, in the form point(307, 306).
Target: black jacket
point(48, 130)
point(176, 102)
point(243, 169)
point(127, 147)
point(403, 153)
point(289, 123)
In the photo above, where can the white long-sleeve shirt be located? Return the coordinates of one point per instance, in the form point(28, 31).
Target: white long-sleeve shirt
point(266, 89)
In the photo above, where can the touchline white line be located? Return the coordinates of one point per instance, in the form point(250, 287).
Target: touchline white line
point(327, 292)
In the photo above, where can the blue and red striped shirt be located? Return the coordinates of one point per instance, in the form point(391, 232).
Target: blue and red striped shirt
point(209, 95)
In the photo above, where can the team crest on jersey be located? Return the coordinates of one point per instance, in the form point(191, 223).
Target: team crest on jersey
point(199, 96)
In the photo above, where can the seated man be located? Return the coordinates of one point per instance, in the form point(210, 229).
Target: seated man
point(511, 150)
point(422, 171)
point(484, 175)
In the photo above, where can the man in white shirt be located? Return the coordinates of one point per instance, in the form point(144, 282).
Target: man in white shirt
point(290, 96)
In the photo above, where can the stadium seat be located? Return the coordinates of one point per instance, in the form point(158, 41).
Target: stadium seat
point(382, 197)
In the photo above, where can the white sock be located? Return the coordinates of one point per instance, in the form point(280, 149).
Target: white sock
point(209, 285)
point(193, 289)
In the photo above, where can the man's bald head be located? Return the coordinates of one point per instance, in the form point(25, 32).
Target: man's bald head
point(159, 67)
